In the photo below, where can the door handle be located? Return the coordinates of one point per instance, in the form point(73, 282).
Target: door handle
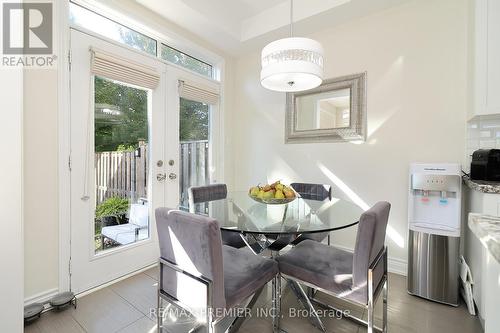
point(172, 176)
point(161, 177)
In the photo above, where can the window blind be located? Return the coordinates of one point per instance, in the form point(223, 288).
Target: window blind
point(117, 68)
point(198, 93)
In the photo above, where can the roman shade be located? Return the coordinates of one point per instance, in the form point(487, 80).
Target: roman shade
point(114, 67)
point(198, 93)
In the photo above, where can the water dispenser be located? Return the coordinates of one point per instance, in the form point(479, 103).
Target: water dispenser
point(434, 211)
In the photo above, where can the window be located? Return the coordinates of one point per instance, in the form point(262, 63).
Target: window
point(121, 139)
point(177, 57)
point(99, 24)
point(110, 29)
point(194, 136)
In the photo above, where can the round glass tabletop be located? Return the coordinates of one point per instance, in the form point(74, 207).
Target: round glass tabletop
point(240, 213)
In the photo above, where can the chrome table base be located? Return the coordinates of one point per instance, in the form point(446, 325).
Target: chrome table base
point(307, 304)
point(238, 321)
point(258, 245)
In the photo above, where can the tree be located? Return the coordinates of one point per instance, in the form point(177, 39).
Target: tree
point(137, 40)
point(194, 120)
point(170, 54)
point(121, 115)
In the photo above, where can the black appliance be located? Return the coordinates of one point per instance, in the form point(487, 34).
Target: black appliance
point(485, 165)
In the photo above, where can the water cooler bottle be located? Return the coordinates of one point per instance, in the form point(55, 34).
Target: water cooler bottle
point(434, 211)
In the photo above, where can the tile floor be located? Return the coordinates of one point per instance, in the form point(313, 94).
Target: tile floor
point(125, 307)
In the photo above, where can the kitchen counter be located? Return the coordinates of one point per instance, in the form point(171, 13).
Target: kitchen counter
point(482, 185)
point(487, 230)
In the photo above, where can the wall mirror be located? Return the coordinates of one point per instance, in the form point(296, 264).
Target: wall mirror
point(332, 112)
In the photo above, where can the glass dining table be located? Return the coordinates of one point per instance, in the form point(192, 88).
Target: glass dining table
point(272, 227)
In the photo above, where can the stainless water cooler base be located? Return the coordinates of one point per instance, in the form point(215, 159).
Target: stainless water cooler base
point(433, 267)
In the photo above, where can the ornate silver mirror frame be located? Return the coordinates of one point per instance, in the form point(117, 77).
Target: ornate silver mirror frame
point(356, 128)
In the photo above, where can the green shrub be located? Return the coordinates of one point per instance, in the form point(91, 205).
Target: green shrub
point(113, 206)
point(124, 148)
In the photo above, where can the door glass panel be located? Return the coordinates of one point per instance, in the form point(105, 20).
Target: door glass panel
point(121, 164)
point(194, 149)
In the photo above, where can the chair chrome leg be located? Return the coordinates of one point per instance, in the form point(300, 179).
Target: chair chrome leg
point(370, 314)
point(310, 292)
point(276, 290)
point(370, 300)
point(384, 320)
point(159, 316)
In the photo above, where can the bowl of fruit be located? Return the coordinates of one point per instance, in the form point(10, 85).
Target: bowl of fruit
point(272, 194)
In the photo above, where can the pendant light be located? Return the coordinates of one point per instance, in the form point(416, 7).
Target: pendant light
point(292, 64)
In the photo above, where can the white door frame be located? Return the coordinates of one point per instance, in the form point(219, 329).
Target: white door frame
point(93, 269)
point(64, 121)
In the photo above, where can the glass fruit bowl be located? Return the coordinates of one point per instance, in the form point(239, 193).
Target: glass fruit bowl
point(273, 194)
point(273, 201)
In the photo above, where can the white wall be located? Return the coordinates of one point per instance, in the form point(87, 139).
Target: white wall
point(11, 200)
point(416, 59)
point(41, 247)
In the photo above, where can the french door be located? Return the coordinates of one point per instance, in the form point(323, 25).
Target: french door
point(120, 138)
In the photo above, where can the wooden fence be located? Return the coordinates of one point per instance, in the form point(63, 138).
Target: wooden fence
point(122, 173)
point(125, 174)
point(193, 167)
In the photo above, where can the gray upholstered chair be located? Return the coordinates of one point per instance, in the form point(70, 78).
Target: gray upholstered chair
point(357, 277)
point(197, 270)
point(202, 194)
point(313, 192)
point(199, 194)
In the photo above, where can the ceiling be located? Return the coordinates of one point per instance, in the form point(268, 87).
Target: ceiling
point(236, 26)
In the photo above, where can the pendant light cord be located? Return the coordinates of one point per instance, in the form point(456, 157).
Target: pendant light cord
point(291, 18)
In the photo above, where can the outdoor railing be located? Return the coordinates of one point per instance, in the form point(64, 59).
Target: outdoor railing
point(125, 173)
point(193, 167)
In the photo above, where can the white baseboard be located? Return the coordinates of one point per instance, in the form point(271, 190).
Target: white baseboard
point(394, 265)
point(397, 266)
point(45, 296)
point(107, 284)
point(42, 297)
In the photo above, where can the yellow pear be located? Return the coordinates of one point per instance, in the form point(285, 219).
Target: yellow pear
point(268, 195)
point(261, 194)
point(279, 195)
point(288, 193)
point(254, 191)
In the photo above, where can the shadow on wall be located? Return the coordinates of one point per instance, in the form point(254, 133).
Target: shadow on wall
point(283, 171)
point(391, 232)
